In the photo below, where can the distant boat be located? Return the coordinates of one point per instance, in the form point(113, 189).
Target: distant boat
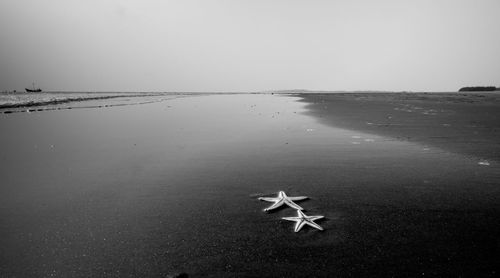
point(37, 90)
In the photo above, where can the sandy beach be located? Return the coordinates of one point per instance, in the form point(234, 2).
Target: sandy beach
point(466, 123)
point(408, 185)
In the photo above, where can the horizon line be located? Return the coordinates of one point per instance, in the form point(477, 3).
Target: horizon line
point(257, 91)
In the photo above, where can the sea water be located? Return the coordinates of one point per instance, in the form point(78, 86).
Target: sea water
point(11, 102)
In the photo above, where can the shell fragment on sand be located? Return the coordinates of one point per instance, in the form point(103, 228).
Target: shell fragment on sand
point(484, 163)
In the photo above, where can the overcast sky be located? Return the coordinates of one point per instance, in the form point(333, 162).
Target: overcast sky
point(253, 45)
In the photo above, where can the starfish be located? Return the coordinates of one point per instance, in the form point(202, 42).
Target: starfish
point(303, 219)
point(283, 199)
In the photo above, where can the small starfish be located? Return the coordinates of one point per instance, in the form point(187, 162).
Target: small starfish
point(283, 199)
point(303, 219)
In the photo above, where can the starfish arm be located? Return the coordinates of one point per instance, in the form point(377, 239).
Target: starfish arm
point(312, 224)
point(299, 225)
point(300, 214)
point(298, 198)
point(291, 218)
point(293, 205)
point(275, 205)
point(315, 217)
point(268, 199)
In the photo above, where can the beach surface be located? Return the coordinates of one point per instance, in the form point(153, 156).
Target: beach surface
point(465, 122)
point(171, 186)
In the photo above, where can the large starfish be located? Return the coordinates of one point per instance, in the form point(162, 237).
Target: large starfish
point(283, 199)
point(303, 219)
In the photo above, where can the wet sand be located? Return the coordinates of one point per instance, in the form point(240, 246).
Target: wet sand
point(169, 187)
point(467, 123)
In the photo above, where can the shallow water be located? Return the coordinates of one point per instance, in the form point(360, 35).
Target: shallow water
point(34, 102)
point(172, 186)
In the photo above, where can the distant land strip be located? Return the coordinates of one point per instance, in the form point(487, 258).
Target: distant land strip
point(479, 89)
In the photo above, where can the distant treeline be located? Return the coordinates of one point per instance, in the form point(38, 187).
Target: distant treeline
point(479, 89)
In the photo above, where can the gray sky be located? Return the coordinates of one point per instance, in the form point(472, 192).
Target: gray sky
point(148, 45)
